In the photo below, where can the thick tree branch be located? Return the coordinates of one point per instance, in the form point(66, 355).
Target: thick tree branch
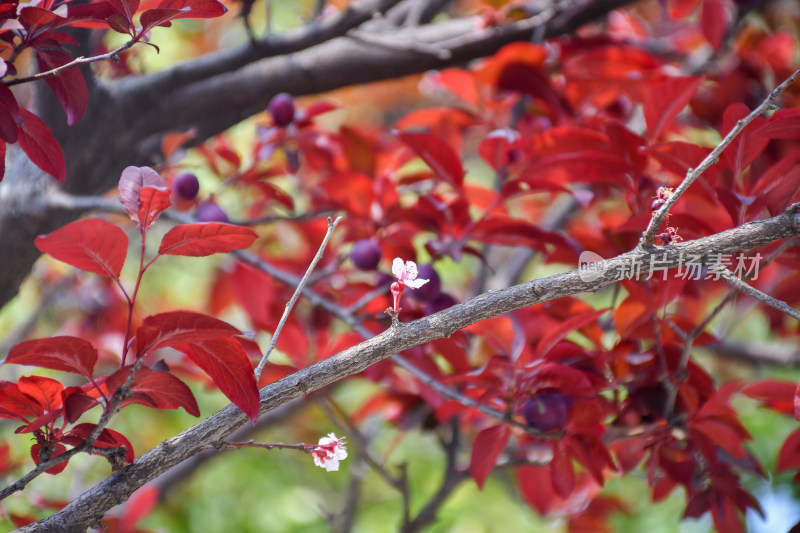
point(210, 433)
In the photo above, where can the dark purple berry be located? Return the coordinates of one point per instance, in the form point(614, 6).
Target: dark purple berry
point(547, 411)
point(440, 303)
point(365, 254)
point(281, 107)
point(210, 212)
point(186, 186)
point(430, 290)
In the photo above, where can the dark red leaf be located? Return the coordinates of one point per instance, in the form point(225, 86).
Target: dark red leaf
point(31, 16)
point(229, 368)
point(39, 145)
point(126, 8)
point(58, 449)
point(108, 439)
point(9, 113)
point(69, 86)
point(130, 183)
point(69, 354)
point(665, 99)
point(91, 244)
point(153, 200)
point(179, 327)
point(437, 154)
point(202, 239)
point(76, 402)
point(488, 446)
point(565, 379)
point(160, 390)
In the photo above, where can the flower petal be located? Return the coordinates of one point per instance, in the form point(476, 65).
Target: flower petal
point(415, 283)
point(397, 268)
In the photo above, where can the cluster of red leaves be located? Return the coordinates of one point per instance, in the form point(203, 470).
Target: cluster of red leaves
point(48, 410)
point(40, 26)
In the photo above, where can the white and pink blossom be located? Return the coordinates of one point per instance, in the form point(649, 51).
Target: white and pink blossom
point(407, 273)
point(329, 452)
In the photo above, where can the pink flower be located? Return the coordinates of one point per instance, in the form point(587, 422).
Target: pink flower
point(407, 273)
point(407, 276)
point(329, 452)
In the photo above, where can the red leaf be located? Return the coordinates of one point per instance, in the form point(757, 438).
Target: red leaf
point(498, 147)
point(69, 354)
point(488, 446)
point(130, 183)
point(715, 18)
point(58, 450)
point(69, 86)
point(76, 403)
point(562, 473)
point(36, 16)
point(202, 239)
point(565, 379)
point(777, 395)
point(127, 8)
point(536, 487)
point(108, 439)
point(160, 390)
point(179, 327)
point(553, 336)
point(158, 17)
point(784, 124)
point(789, 456)
point(92, 244)
point(30, 397)
point(9, 113)
point(139, 505)
point(40, 146)
point(665, 99)
point(227, 364)
point(153, 200)
point(437, 154)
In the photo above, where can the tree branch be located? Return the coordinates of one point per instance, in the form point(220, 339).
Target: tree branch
point(89, 508)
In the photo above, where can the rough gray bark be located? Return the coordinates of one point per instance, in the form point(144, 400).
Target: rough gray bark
point(126, 118)
point(89, 508)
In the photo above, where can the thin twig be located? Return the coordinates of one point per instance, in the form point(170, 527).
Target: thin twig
point(298, 291)
point(749, 290)
point(659, 216)
point(74, 63)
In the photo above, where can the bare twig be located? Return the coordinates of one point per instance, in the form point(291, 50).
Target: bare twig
point(749, 290)
point(112, 55)
point(300, 286)
point(659, 216)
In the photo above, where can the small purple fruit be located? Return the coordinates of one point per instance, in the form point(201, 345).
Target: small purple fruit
point(186, 186)
point(210, 212)
point(281, 107)
point(430, 290)
point(365, 254)
point(547, 411)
